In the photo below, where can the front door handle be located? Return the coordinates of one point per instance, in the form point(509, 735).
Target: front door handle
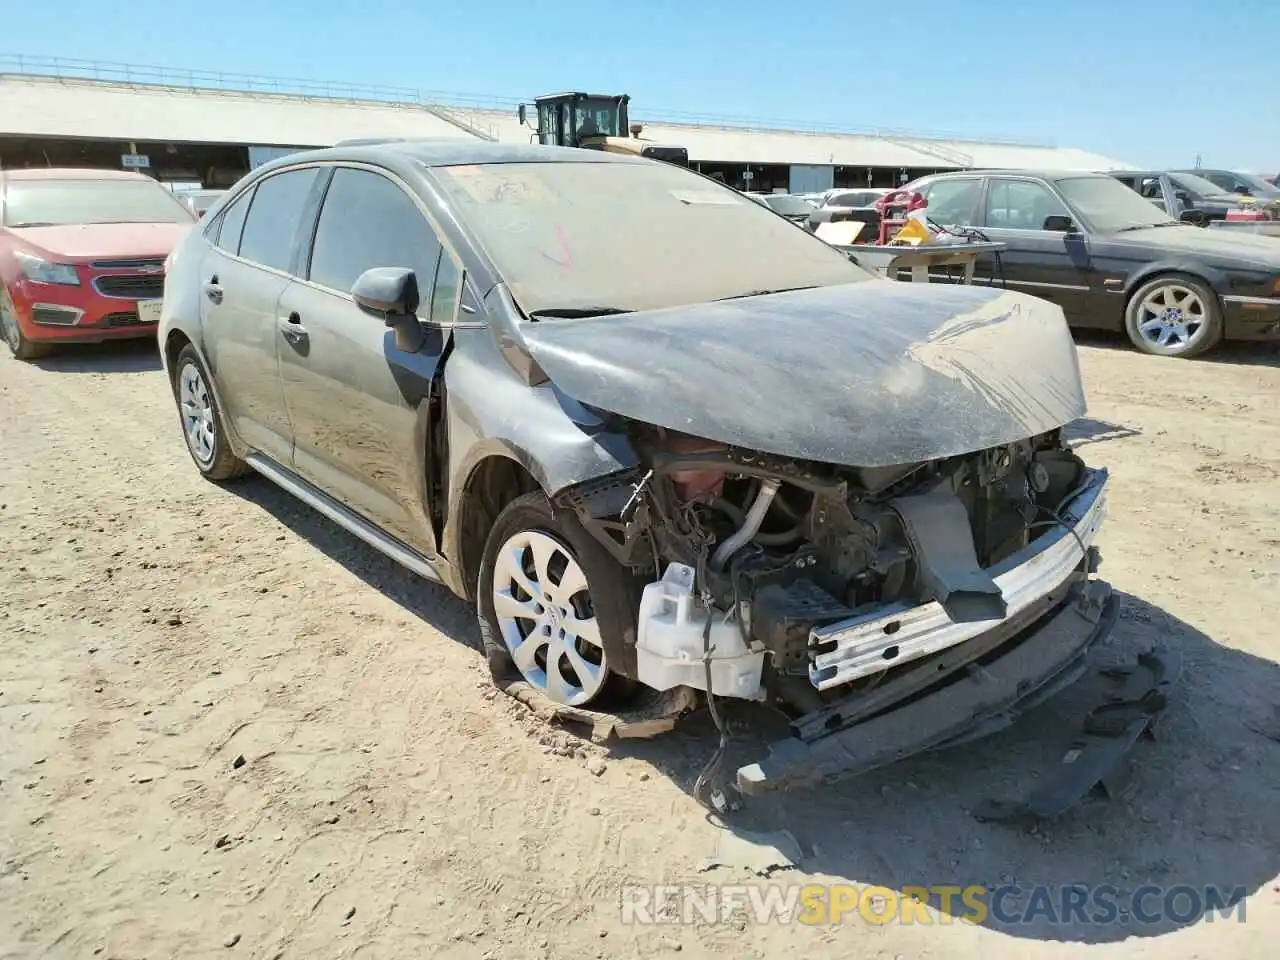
point(212, 290)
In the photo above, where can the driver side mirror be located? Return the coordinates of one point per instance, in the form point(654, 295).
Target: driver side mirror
point(391, 293)
point(520, 112)
point(1059, 223)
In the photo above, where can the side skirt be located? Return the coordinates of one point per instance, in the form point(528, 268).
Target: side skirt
point(354, 524)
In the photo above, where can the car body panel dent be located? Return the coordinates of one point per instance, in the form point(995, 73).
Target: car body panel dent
point(491, 411)
point(870, 374)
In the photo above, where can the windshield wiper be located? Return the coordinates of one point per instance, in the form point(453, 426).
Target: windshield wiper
point(765, 293)
point(1149, 226)
point(30, 223)
point(574, 313)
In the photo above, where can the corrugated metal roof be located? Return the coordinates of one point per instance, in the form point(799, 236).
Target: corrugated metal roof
point(768, 146)
point(34, 106)
point(62, 107)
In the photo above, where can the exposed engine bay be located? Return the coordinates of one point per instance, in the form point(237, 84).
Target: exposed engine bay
point(802, 583)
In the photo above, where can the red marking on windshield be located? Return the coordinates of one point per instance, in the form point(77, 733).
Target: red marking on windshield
point(566, 260)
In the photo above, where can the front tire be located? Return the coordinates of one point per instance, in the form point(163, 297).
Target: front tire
point(555, 608)
point(202, 424)
point(1174, 316)
point(19, 345)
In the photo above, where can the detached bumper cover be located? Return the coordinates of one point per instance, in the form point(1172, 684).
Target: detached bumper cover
point(982, 701)
point(894, 635)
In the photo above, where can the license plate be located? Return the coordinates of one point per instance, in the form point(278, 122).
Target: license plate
point(149, 311)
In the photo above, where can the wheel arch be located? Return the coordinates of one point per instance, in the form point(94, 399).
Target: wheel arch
point(495, 477)
point(1212, 277)
point(175, 341)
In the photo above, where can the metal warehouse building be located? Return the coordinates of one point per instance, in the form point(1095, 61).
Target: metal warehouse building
point(215, 127)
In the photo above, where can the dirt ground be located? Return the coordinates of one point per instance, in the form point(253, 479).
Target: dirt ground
point(229, 729)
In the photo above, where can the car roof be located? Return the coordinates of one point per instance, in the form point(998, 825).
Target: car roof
point(450, 153)
point(71, 173)
point(1042, 174)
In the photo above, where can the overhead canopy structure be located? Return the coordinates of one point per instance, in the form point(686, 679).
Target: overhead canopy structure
point(44, 107)
point(37, 106)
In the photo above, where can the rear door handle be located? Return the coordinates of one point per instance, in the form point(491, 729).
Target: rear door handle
point(291, 327)
point(212, 290)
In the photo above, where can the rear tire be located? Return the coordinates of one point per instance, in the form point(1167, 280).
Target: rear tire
point(201, 419)
point(1174, 315)
point(567, 623)
point(19, 345)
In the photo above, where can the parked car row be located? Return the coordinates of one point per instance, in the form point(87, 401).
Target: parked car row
point(1196, 199)
point(1117, 251)
point(1114, 260)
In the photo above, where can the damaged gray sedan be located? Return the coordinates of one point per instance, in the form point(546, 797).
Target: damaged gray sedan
point(660, 437)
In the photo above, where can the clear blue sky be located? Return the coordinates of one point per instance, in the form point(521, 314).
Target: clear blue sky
point(1148, 81)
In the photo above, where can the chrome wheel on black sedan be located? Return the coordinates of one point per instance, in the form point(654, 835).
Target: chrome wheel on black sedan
point(1174, 316)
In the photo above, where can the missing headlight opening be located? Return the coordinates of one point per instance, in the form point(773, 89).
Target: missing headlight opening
point(835, 591)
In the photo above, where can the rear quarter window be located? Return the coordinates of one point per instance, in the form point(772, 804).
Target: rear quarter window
point(226, 232)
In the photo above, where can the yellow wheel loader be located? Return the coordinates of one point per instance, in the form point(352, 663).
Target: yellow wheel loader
point(594, 122)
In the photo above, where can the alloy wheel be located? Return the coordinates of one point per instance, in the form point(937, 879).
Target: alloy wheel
point(198, 422)
point(1171, 316)
point(544, 612)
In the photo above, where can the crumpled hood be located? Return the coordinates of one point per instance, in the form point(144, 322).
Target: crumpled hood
point(868, 374)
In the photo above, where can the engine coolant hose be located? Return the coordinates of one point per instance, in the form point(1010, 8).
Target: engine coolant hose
point(750, 527)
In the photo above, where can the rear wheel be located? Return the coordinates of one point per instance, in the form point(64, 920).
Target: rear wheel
point(202, 425)
point(555, 607)
point(1174, 316)
point(19, 345)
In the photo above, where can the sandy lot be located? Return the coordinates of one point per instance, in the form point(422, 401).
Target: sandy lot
point(154, 629)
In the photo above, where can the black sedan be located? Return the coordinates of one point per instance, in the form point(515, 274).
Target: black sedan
point(1113, 260)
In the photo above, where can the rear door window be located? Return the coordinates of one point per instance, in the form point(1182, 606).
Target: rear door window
point(271, 230)
point(952, 201)
point(369, 221)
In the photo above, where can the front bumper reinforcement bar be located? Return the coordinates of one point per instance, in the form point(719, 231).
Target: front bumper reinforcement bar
point(896, 634)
